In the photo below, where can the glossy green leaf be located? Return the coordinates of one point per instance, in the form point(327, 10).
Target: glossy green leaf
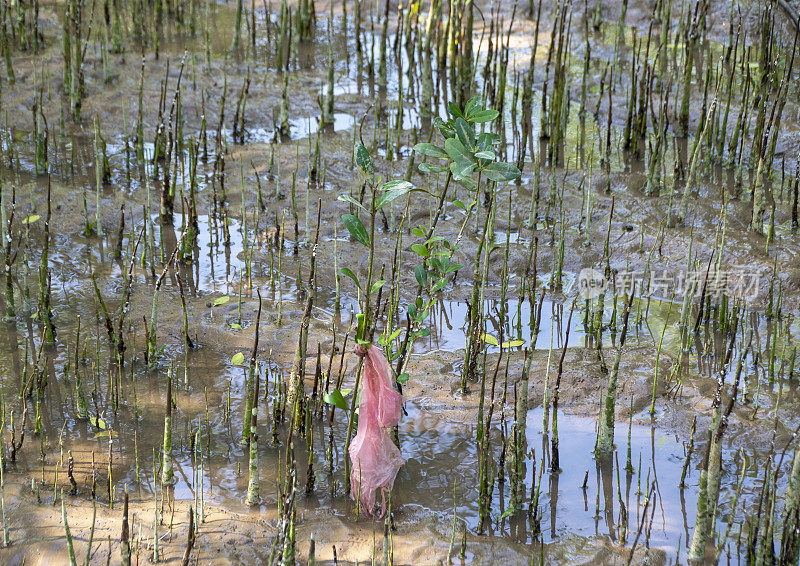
point(465, 134)
point(483, 116)
point(336, 399)
point(346, 271)
point(421, 275)
point(386, 339)
point(473, 105)
point(501, 172)
point(393, 190)
point(430, 150)
point(487, 140)
point(364, 161)
point(431, 168)
point(220, 301)
point(351, 200)
point(444, 128)
point(461, 170)
point(470, 184)
point(396, 184)
point(421, 250)
point(455, 111)
point(457, 151)
point(237, 359)
point(440, 284)
point(377, 285)
point(356, 229)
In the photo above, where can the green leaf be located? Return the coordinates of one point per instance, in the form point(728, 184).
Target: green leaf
point(356, 229)
point(336, 399)
point(471, 185)
point(465, 134)
point(421, 250)
point(462, 170)
point(487, 154)
point(220, 301)
point(430, 150)
point(455, 111)
point(236, 326)
point(393, 190)
point(421, 275)
point(377, 285)
point(383, 339)
point(346, 271)
point(472, 105)
point(99, 423)
point(431, 168)
point(364, 161)
point(487, 140)
point(444, 128)
point(457, 151)
point(351, 200)
point(489, 339)
point(418, 231)
point(483, 116)
point(459, 204)
point(397, 183)
point(31, 219)
point(402, 378)
point(237, 359)
point(512, 344)
point(501, 172)
point(440, 284)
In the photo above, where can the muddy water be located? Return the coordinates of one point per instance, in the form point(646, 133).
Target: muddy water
point(439, 478)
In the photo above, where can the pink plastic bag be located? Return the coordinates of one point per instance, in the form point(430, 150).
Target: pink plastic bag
point(374, 457)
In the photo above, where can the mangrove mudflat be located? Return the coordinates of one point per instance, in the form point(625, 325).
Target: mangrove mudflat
point(418, 282)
